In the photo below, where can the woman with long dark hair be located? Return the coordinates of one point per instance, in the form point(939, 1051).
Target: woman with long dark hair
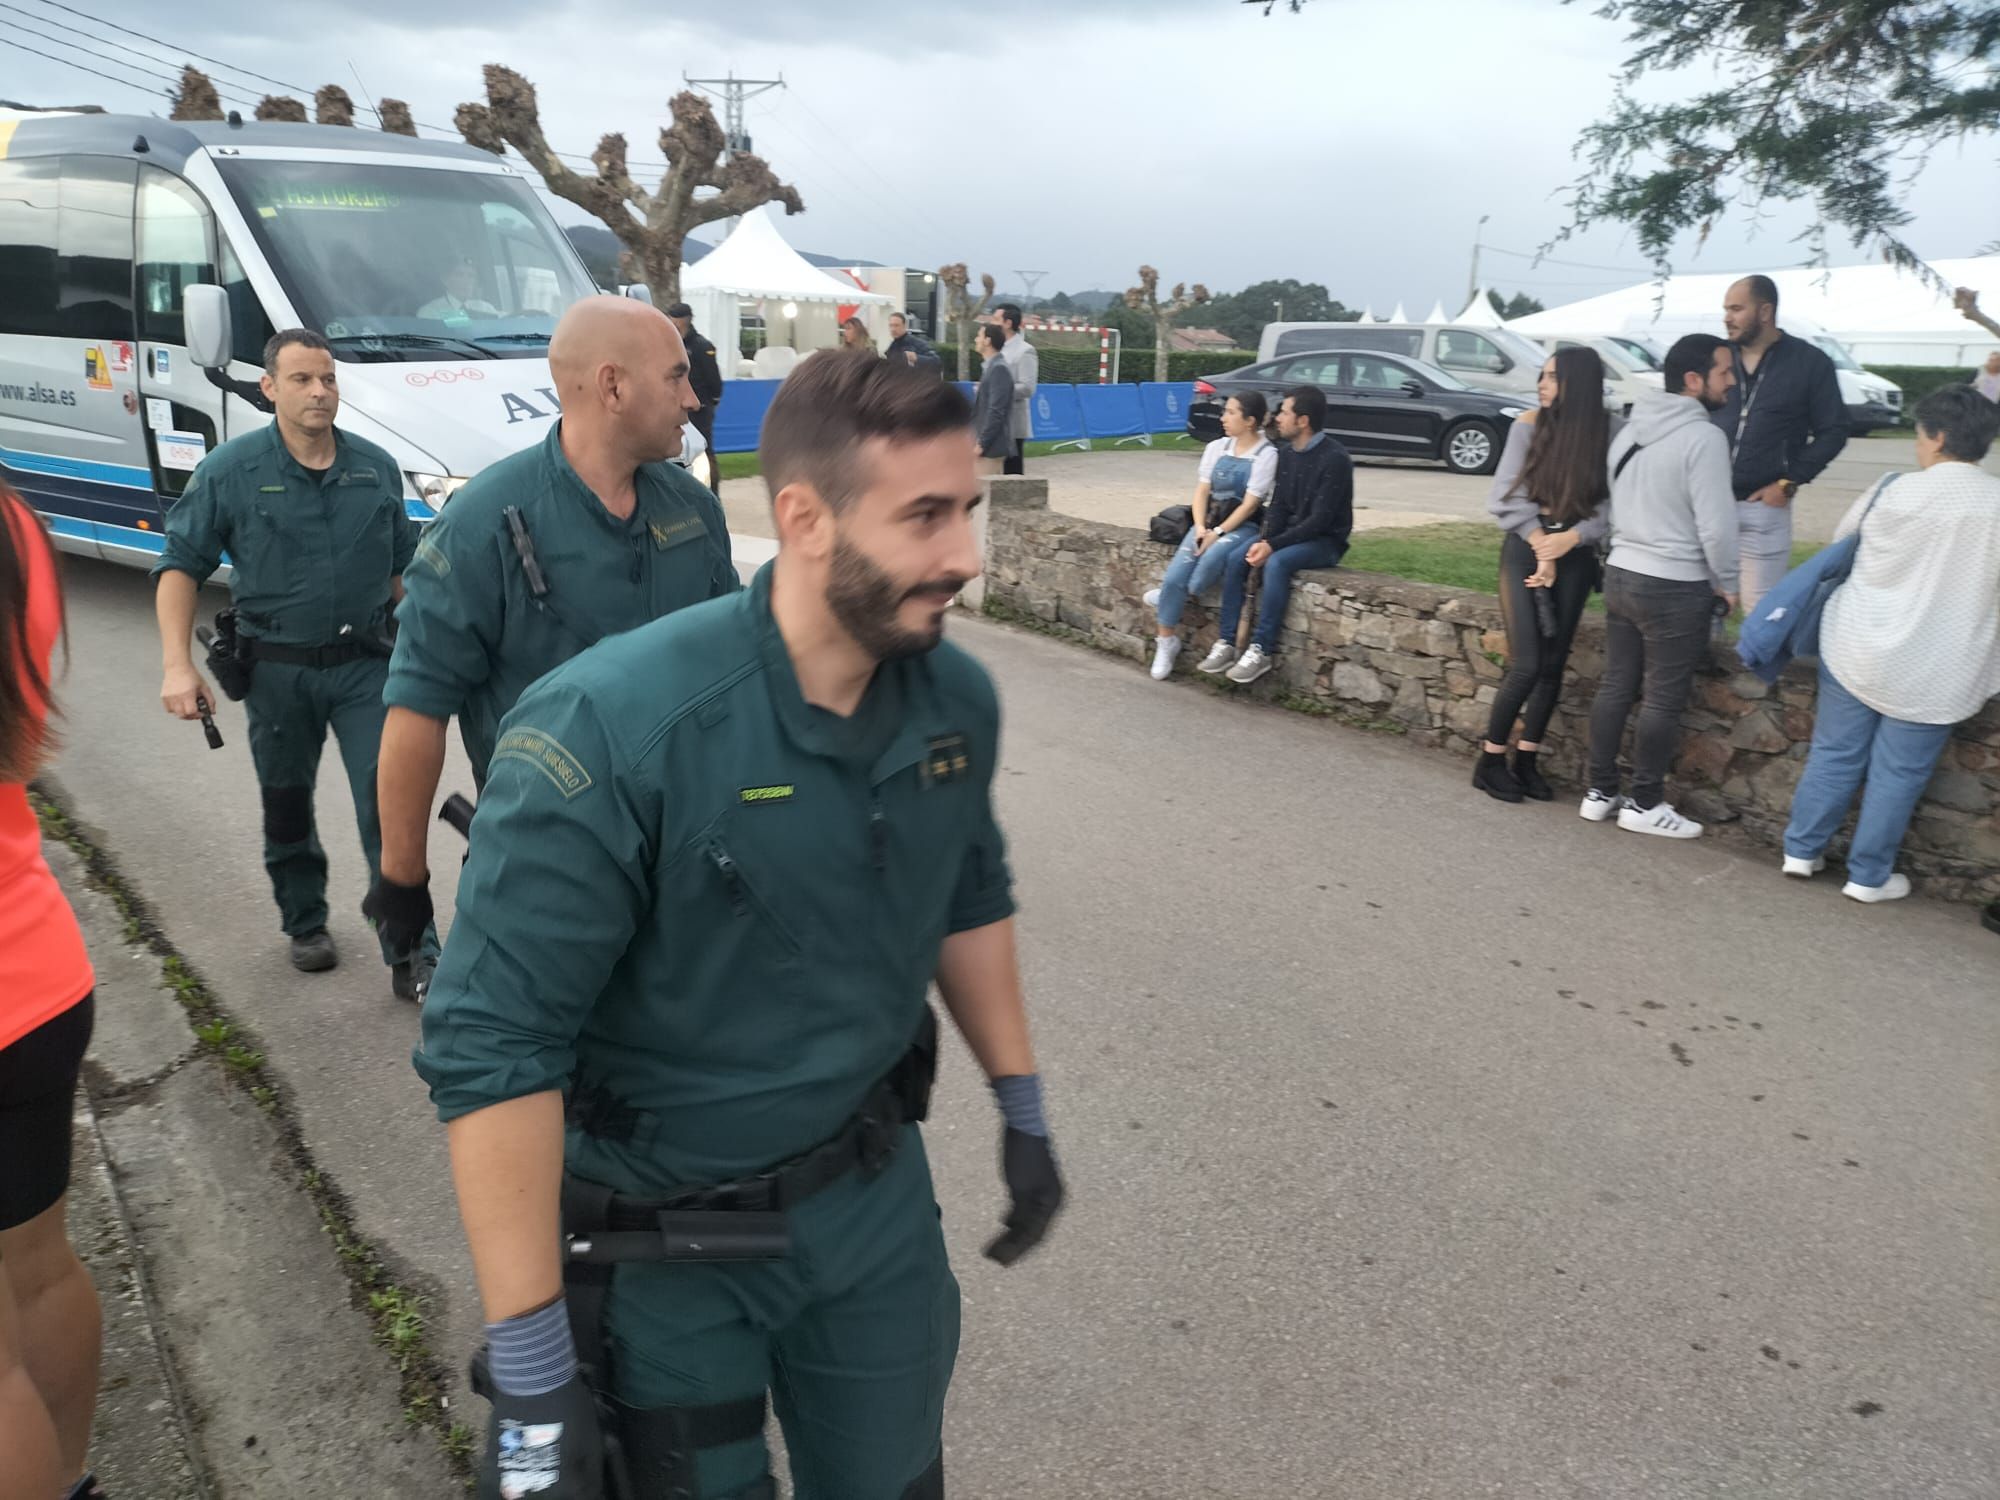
point(45, 1018)
point(1548, 495)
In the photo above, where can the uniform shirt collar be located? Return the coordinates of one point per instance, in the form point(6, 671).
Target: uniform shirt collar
point(886, 730)
point(343, 452)
point(564, 481)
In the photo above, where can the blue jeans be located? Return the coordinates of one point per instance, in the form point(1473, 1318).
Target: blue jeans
point(1851, 742)
point(1321, 552)
point(1191, 576)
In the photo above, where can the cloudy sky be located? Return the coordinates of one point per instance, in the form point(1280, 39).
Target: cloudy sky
point(1356, 145)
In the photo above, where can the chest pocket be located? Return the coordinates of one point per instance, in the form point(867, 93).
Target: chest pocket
point(362, 531)
point(740, 988)
point(678, 541)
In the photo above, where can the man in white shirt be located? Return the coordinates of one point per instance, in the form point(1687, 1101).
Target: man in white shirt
point(1026, 366)
point(1987, 382)
point(459, 304)
point(1909, 645)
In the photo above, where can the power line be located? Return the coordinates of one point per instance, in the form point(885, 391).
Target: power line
point(126, 79)
point(173, 47)
point(68, 63)
point(90, 52)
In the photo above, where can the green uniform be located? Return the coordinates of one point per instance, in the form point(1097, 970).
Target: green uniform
point(313, 556)
point(472, 635)
point(710, 913)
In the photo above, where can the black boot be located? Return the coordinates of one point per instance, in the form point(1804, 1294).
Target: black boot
point(1492, 777)
point(1530, 779)
point(1991, 917)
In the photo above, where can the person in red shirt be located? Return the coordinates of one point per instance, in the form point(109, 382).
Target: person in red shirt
point(46, 988)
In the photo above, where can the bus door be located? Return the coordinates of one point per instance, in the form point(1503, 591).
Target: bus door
point(69, 379)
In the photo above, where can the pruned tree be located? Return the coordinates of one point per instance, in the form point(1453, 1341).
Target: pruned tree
point(1145, 299)
point(282, 107)
point(196, 98)
point(1966, 300)
point(396, 118)
point(654, 225)
point(960, 310)
point(333, 105)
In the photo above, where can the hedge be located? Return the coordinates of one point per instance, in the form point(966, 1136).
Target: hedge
point(1918, 381)
point(1079, 366)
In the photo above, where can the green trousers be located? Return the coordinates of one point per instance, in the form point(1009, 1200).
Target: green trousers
point(290, 710)
point(854, 1336)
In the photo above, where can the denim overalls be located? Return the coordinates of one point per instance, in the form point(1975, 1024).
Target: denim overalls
point(1228, 483)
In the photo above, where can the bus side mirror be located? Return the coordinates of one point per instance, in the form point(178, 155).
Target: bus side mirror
point(205, 313)
point(638, 291)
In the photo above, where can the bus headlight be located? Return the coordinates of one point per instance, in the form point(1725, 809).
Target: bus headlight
point(432, 489)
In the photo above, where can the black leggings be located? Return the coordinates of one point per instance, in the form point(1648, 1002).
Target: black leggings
point(38, 1075)
point(1535, 663)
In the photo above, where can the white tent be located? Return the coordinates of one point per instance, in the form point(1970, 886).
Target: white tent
point(1399, 316)
point(755, 264)
point(1367, 315)
point(1437, 313)
point(1885, 316)
point(1480, 312)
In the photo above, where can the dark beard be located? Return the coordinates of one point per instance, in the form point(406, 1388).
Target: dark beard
point(865, 600)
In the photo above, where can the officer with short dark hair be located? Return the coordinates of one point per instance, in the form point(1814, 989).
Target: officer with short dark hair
point(318, 537)
point(718, 864)
point(705, 375)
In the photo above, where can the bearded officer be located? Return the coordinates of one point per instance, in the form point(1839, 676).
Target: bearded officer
point(718, 863)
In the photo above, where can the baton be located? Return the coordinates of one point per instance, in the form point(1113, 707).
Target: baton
point(208, 729)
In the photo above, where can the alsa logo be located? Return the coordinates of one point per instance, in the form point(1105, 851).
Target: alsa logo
point(520, 409)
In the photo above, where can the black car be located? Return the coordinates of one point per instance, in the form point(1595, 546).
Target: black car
point(1377, 405)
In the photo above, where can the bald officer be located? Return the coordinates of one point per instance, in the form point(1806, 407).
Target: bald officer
point(589, 534)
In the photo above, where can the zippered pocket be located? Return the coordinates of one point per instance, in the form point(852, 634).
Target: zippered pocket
point(745, 904)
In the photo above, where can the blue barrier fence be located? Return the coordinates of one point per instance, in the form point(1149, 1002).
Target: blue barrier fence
point(1061, 413)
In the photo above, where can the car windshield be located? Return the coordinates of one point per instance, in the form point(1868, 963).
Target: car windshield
point(411, 263)
point(1642, 356)
point(1837, 352)
point(1523, 350)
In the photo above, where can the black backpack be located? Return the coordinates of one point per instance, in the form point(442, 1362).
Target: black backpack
point(1172, 525)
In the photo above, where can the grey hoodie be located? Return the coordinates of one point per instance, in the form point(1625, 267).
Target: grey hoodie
point(1673, 510)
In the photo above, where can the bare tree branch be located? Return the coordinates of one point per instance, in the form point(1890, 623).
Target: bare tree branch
point(1145, 298)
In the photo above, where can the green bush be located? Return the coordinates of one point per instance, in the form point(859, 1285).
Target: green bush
point(1135, 366)
point(1918, 381)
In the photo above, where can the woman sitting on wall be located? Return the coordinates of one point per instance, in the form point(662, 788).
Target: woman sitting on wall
point(1237, 471)
point(1548, 495)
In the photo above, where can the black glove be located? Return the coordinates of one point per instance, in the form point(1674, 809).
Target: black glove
point(1029, 1167)
point(400, 912)
point(534, 1437)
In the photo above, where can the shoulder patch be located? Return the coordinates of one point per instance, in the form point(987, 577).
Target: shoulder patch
point(545, 754)
point(431, 555)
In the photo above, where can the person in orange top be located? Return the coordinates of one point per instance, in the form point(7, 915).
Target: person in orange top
point(46, 988)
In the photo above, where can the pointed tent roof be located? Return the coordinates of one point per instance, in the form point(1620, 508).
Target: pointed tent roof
point(1367, 315)
point(1437, 312)
point(1479, 312)
point(1399, 316)
point(755, 261)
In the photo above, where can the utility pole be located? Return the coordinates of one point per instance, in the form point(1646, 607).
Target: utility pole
point(1472, 284)
point(1279, 308)
point(733, 91)
point(1029, 281)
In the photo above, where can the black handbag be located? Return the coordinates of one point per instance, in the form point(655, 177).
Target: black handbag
point(1172, 525)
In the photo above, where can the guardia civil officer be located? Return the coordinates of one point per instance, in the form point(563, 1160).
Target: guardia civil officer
point(718, 862)
point(317, 535)
point(589, 533)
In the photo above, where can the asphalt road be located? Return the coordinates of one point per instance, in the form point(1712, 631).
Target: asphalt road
point(1419, 1146)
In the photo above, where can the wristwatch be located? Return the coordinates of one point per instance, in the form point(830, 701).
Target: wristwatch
point(1789, 486)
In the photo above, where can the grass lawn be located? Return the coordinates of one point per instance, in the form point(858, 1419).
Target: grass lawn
point(1456, 554)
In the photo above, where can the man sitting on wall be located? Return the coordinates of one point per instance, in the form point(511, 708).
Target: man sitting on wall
point(1306, 525)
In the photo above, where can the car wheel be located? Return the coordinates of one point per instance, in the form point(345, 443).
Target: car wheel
point(1471, 448)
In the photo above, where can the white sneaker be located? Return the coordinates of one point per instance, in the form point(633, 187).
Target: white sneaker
point(1253, 665)
point(1660, 820)
point(1597, 806)
point(1152, 598)
point(1221, 656)
point(1805, 869)
point(1896, 889)
point(1163, 657)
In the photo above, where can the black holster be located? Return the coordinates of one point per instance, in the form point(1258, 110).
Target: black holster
point(229, 662)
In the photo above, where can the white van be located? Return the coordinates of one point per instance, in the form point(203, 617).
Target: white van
point(1492, 359)
point(1629, 368)
point(107, 220)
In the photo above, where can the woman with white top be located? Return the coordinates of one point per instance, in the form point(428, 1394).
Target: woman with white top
point(1909, 645)
point(1237, 471)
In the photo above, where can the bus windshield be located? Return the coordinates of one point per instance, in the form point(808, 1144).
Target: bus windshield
point(410, 263)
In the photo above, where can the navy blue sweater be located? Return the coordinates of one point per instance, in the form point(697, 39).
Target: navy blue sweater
point(1797, 423)
point(1312, 497)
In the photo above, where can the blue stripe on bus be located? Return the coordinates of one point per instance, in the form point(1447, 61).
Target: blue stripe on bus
point(122, 475)
point(104, 532)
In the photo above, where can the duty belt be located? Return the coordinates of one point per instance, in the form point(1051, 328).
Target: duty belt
point(337, 655)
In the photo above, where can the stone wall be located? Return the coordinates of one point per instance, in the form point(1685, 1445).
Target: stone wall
point(1425, 662)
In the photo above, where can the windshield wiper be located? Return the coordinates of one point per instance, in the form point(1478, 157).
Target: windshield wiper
point(409, 341)
point(511, 338)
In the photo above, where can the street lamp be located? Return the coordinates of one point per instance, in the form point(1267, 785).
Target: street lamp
point(1472, 286)
point(1279, 309)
